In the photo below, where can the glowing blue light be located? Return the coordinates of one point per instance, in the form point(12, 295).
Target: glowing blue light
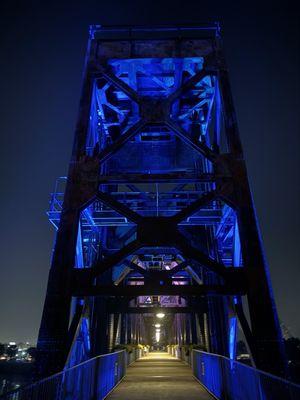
point(232, 337)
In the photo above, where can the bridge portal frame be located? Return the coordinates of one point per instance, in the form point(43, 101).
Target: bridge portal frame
point(231, 186)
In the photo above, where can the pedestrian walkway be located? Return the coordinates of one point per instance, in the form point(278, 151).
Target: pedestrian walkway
point(159, 376)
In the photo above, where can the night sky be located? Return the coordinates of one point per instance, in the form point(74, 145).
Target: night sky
point(41, 60)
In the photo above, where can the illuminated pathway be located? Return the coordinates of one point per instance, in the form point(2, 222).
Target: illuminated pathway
point(159, 376)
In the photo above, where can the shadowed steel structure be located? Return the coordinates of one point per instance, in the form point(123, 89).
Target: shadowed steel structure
point(156, 211)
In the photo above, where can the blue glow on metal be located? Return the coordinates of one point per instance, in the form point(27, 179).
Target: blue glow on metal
point(155, 148)
point(226, 378)
point(232, 337)
point(237, 252)
point(86, 334)
point(81, 349)
point(79, 254)
point(90, 379)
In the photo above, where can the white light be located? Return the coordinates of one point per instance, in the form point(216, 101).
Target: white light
point(157, 336)
point(160, 315)
point(157, 325)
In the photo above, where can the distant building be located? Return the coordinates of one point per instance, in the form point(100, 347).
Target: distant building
point(286, 332)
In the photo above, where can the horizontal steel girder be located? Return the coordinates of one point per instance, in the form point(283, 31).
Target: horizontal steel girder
point(153, 310)
point(175, 177)
point(168, 290)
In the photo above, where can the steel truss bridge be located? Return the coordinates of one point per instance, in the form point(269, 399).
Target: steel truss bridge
point(156, 216)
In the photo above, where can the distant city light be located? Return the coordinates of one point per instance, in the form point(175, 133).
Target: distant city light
point(160, 315)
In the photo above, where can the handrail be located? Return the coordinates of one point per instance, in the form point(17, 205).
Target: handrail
point(247, 366)
point(225, 378)
point(91, 379)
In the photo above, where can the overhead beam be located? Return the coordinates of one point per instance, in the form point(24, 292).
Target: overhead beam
point(146, 290)
point(153, 310)
point(172, 177)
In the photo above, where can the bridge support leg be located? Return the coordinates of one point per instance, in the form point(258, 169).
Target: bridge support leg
point(267, 338)
point(100, 327)
point(193, 329)
point(123, 334)
point(53, 335)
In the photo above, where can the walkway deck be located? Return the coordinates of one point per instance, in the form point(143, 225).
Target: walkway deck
point(159, 376)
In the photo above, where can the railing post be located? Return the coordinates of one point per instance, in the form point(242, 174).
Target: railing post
point(192, 361)
point(95, 379)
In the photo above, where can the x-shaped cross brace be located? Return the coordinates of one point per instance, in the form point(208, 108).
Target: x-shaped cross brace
point(154, 111)
point(161, 231)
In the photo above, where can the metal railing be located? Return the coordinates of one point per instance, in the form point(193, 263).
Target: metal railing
point(90, 380)
point(228, 379)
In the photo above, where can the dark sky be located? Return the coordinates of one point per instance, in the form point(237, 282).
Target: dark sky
point(41, 59)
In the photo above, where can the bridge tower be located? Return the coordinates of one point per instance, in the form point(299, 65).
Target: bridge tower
point(156, 212)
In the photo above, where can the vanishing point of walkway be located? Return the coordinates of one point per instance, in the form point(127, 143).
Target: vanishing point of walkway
point(159, 376)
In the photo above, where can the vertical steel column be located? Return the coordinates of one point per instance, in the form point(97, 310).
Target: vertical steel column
point(53, 334)
point(123, 334)
point(267, 337)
